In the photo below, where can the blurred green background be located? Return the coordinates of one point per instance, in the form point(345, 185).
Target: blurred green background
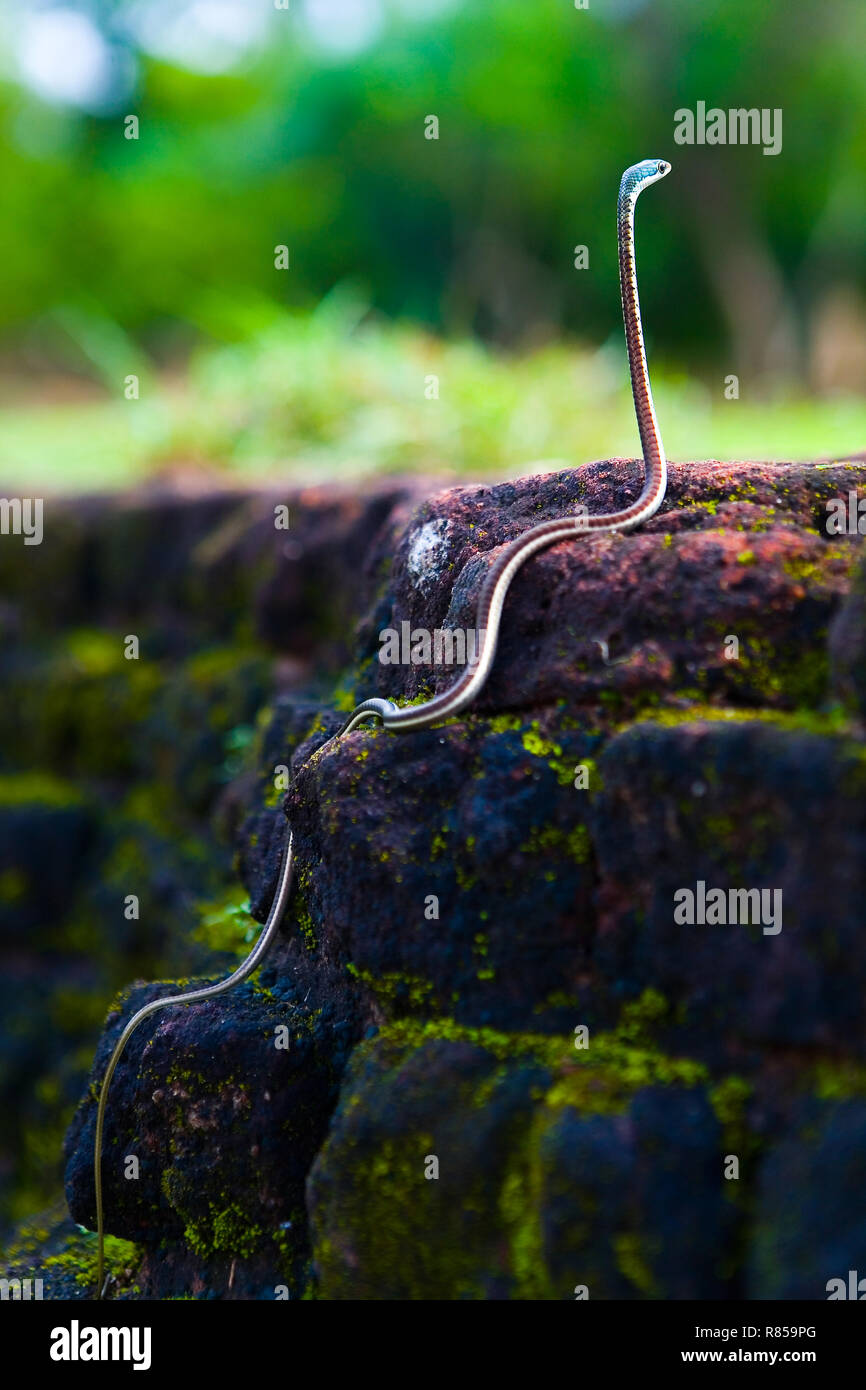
point(305, 127)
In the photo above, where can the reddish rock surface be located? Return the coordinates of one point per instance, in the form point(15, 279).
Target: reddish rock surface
point(737, 549)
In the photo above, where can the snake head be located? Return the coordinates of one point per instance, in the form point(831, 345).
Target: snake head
point(640, 176)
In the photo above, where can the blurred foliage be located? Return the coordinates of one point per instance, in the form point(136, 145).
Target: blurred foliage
point(122, 255)
point(319, 395)
point(541, 107)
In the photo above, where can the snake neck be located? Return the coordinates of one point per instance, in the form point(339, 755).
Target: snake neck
point(650, 438)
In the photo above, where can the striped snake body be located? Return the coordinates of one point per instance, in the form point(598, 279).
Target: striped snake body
point(489, 613)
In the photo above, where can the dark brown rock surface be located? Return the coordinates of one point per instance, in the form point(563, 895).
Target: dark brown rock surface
point(663, 714)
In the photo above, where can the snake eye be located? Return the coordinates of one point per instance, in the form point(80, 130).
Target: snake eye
point(662, 167)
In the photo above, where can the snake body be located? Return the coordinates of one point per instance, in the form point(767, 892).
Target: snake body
point(513, 556)
point(488, 617)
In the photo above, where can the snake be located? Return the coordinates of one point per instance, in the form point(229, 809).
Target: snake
point(491, 601)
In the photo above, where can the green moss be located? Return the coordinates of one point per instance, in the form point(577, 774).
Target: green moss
point(634, 1265)
point(729, 1099)
point(557, 999)
point(541, 747)
point(572, 844)
point(40, 788)
point(122, 1259)
point(226, 1230)
point(789, 674)
point(639, 1017)
point(533, 741)
point(94, 652)
point(317, 727)
point(407, 1035)
point(396, 992)
point(302, 913)
point(520, 1205)
point(464, 878)
point(710, 506)
point(603, 1078)
point(438, 843)
point(599, 1079)
point(838, 1080)
point(831, 720)
point(805, 569)
point(397, 1209)
point(500, 723)
point(82, 706)
point(424, 694)
point(422, 1240)
point(274, 794)
point(344, 699)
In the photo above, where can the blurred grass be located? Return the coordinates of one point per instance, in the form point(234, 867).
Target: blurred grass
point(334, 394)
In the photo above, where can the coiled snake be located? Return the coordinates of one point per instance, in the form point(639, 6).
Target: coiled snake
point(488, 617)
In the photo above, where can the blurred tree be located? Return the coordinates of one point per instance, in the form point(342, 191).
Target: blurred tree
point(539, 107)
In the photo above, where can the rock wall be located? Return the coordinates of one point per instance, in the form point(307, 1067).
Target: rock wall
point(513, 1069)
